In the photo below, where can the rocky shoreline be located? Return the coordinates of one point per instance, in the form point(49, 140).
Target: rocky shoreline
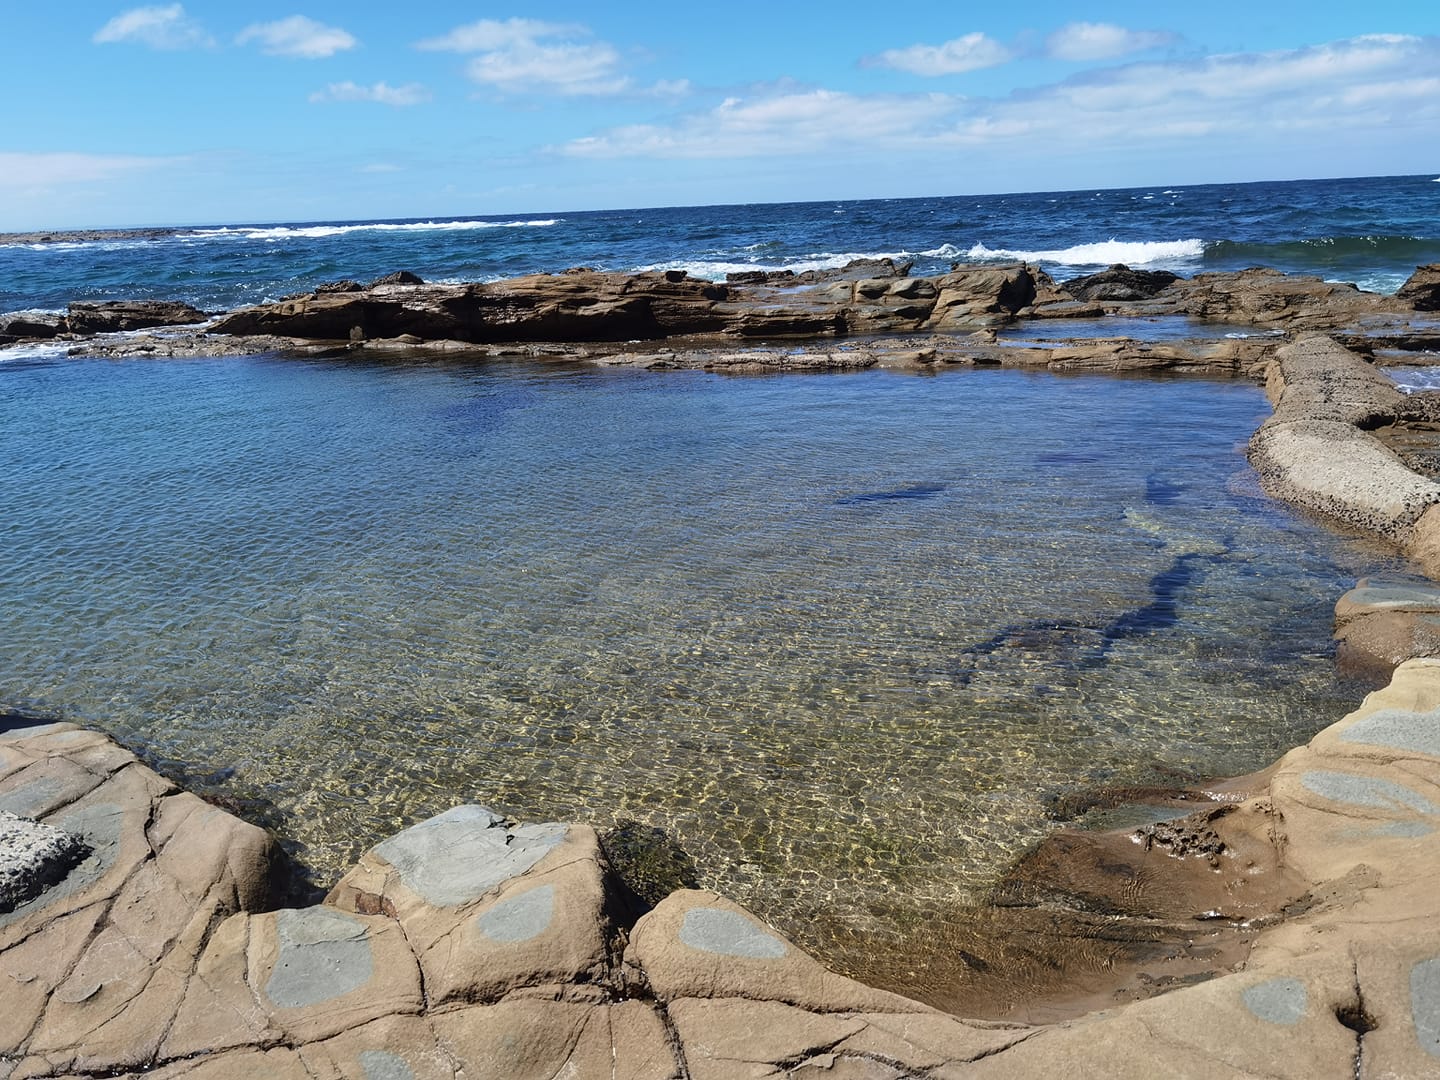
point(1289, 914)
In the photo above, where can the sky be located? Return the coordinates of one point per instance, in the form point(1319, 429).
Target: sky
point(305, 110)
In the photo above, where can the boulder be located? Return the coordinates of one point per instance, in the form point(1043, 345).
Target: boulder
point(1422, 290)
point(1380, 625)
point(398, 277)
point(102, 317)
point(31, 325)
point(1120, 283)
point(981, 295)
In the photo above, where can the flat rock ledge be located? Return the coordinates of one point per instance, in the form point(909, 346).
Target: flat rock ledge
point(467, 946)
point(754, 323)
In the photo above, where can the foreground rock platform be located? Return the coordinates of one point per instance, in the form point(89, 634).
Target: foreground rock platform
point(467, 946)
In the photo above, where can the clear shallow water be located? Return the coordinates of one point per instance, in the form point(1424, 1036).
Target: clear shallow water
point(839, 634)
point(1373, 231)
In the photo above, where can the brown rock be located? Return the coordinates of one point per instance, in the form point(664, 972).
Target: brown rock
point(1120, 283)
point(30, 325)
point(1422, 289)
point(981, 295)
point(111, 315)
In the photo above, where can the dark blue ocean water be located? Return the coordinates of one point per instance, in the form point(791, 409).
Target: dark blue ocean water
point(1372, 231)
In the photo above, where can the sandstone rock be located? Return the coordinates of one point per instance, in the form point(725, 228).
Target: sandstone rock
point(1380, 625)
point(1422, 289)
point(574, 306)
point(1120, 283)
point(490, 909)
point(110, 315)
point(1264, 297)
point(398, 277)
point(1312, 452)
point(698, 944)
point(981, 295)
point(32, 325)
point(98, 962)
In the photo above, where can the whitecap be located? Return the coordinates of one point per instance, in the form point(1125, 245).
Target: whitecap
point(35, 350)
point(1104, 253)
point(716, 269)
point(313, 232)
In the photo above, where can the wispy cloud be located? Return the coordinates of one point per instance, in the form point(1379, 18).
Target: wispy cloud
point(785, 122)
point(1267, 97)
point(298, 37)
point(968, 53)
point(164, 26)
point(23, 171)
point(529, 56)
point(1102, 41)
point(382, 93)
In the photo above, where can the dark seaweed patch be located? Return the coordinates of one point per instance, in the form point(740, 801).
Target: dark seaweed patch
point(914, 491)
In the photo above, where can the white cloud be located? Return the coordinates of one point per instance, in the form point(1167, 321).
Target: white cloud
point(160, 27)
point(488, 35)
point(298, 37)
point(382, 93)
point(785, 122)
point(968, 53)
point(1256, 99)
point(528, 56)
point(22, 171)
point(1102, 41)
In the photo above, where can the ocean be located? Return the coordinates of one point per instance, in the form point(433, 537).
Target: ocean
point(839, 636)
point(1371, 231)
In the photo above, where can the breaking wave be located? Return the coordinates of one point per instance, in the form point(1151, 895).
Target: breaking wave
point(313, 232)
point(1104, 253)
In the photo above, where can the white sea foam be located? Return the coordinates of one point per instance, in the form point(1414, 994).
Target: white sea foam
point(35, 350)
point(1105, 253)
point(312, 232)
point(716, 269)
point(1409, 380)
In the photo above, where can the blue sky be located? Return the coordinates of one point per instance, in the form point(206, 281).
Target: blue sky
point(208, 112)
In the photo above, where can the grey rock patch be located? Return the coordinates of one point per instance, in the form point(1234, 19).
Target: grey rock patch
point(324, 954)
point(33, 856)
point(1410, 830)
point(1365, 791)
point(1394, 597)
point(31, 799)
point(1425, 1004)
point(1397, 729)
point(34, 731)
point(458, 856)
point(383, 1065)
point(1277, 1001)
point(98, 827)
point(728, 933)
point(519, 918)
